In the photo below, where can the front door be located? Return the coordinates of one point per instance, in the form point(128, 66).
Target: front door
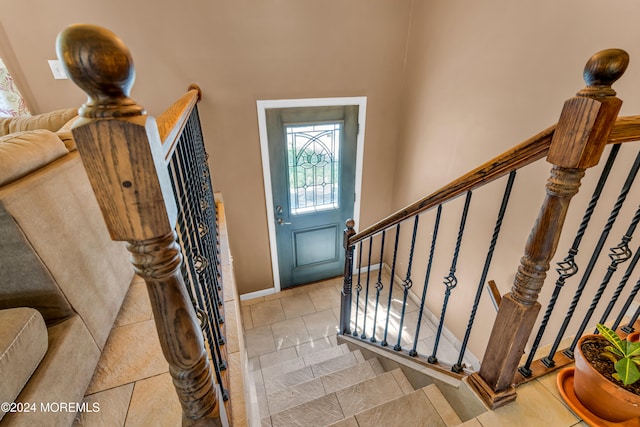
point(312, 155)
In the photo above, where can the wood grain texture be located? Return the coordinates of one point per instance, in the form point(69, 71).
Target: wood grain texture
point(158, 262)
point(577, 144)
point(121, 149)
point(172, 121)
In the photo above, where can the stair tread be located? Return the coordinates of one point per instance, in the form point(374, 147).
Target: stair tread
point(370, 393)
point(301, 362)
point(350, 400)
point(322, 366)
point(442, 406)
point(317, 387)
point(413, 409)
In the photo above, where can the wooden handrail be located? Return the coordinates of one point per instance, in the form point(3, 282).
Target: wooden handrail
point(172, 121)
point(626, 129)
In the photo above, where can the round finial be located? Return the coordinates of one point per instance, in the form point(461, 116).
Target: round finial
point(602, 70)
point(350, 223)
point(101, 65)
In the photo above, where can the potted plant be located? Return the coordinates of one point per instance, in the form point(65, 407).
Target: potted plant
point(606, 375)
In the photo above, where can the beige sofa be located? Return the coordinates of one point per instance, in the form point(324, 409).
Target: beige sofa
point(62, 279)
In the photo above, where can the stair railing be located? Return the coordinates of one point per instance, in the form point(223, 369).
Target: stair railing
point(152, 184)
point(587, 123)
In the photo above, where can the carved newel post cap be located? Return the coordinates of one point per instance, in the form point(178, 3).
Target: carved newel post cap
point(350, 223)
point(602, 70)
point(101, 65)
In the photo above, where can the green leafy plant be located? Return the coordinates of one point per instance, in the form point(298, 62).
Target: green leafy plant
point(624, 354)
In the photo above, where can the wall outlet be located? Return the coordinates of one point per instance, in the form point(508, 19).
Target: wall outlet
point(57, 70)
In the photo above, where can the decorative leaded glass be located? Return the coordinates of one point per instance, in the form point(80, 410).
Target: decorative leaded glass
point(313, 159)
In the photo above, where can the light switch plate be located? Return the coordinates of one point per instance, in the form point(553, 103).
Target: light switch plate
point(57, 70)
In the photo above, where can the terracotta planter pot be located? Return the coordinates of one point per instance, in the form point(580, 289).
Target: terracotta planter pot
point(601, 396)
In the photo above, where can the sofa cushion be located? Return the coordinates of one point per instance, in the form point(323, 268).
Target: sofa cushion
point(23, 344)
point(64, 133)
point(24, 152)
point(63, 376)
point(52, 121)
point(24, 280)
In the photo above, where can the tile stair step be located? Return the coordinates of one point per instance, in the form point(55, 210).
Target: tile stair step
point(413, 409)
point(301, 362)
point(345, 402)
point(317, 387)
point(290, 379)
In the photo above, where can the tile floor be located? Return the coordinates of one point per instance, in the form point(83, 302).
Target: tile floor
point(299, 321)
point(134, 387)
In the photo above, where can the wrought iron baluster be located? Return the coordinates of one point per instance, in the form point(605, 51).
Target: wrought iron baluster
point(627, 304)
point(379, 287)
point(567, 268)
point(457, 367)
point(358, 289)
point(391, 280)
point(413, 352)
point(366, 293)
point(407, 284)
point(598, 249)
point(619, 254)
point(451, 281)
point(620, 287)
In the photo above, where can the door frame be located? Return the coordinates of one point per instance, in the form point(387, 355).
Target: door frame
point(262, 105)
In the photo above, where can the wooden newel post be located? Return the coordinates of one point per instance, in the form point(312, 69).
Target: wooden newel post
point(345, 304)
point(121, 150)
point(577, 144)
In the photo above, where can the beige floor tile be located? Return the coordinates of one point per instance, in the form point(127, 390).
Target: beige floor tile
point(295, 395)
point(277, 357)
point(411, 410)
point(347, 377)
point(440, 403)
point(290, 333)
point(266, 313)
point(154, 403)
point(321, 324)
point(297, 305)
point(368, 394)
point(325, 298)
point(112, 406)
point(347, 422)
point(316, 345)
point(535, 406)
point(289, 379)
point(323, 411)
point(259, 341)
point(252, 301)
point(122, 361)
point(136, 306)
point(247, 320)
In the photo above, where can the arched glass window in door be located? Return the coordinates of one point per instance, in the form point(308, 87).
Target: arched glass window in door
point(313, 158)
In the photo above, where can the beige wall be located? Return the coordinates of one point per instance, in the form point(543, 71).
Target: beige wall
point(481, 77)
point(238, 52)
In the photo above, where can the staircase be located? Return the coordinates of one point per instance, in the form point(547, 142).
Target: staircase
point(339, 387)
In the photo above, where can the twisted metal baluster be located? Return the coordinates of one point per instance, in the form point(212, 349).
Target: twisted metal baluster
point(358, 289)
point(621, 285)
point(391, 280)
point(366, 293)
point(379, 287)
point(457, 367)
point(618, 255)
point(596, 252)
point(627, 304)
point(427, 276)
point(567, 268)
point(406, 285)
point(451, 281)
